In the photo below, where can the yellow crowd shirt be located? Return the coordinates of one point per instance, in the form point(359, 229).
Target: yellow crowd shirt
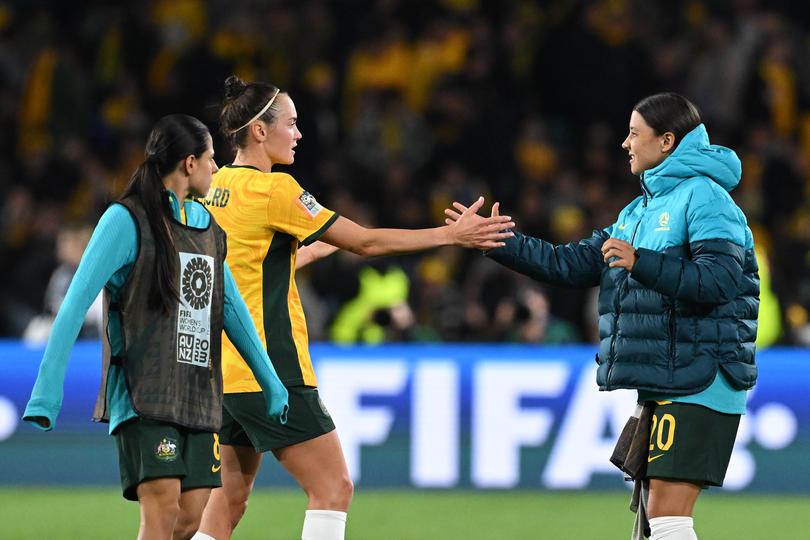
point(267, 216)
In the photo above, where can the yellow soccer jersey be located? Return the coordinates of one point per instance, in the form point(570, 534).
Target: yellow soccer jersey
point(266, 217)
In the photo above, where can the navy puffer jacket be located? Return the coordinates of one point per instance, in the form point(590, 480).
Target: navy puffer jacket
point(690, 305)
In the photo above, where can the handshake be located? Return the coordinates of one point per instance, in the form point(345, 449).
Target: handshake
point(467, 229)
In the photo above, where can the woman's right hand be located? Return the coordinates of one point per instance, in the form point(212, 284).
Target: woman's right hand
point(468, 229)
point(277, 402)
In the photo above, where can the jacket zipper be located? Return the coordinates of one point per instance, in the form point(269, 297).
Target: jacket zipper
point(672, 342)
point(645, 191)
point(611, 355)
point(670, 311)
point(624, 286)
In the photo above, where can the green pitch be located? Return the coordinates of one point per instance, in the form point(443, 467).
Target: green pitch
point(88, 513)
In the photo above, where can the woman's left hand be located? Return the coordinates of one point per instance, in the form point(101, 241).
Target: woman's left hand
point(622, 253)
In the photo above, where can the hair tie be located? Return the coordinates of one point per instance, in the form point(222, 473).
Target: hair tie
point(152, 160)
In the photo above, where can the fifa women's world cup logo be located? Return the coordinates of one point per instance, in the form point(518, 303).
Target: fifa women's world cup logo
point(197, 279)
point(194, 314)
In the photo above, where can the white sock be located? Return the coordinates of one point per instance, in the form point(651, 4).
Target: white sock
point(672, 528)
point(202, 536)
point(324, 525)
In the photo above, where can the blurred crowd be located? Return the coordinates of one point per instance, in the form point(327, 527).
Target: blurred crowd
point(406, 106)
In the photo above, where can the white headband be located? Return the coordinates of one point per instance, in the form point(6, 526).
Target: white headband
point(258, 114)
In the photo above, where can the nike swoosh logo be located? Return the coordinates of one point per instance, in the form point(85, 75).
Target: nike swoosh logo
point(216, 468)
point(653, 458)
point(622, 227)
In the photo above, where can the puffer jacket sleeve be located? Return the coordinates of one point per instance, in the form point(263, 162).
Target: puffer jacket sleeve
point(576, 265)
point(714, 273)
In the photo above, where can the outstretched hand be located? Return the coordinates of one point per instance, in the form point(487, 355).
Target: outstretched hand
point(468, 229)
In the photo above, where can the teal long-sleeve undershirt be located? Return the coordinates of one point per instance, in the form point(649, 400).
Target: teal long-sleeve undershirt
point(107, 261)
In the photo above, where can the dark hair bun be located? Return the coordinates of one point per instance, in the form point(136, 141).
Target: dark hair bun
point(234, 87)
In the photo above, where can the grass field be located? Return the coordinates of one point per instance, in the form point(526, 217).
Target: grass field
point(87, 514)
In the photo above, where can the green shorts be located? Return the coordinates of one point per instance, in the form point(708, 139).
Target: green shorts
point(245, 421)
point(149, 449)
point(690, 443)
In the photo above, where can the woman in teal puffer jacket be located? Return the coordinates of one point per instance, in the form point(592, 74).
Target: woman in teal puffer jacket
point(678, 302)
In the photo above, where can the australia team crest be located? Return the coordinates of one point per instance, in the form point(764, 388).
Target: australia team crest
point(166, 449)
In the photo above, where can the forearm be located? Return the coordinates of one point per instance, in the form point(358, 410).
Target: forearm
point(46, 396)
point(712, 277)
point(466, 229)
point(350, 236)
point(569, 265)
point(313, 252)
point(393, 241)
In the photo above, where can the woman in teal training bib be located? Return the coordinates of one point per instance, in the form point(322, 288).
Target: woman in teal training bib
point(678, 302)
point(168, 295)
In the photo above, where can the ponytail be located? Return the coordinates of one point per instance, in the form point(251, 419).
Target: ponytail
point(172, 140)
point(146, 185)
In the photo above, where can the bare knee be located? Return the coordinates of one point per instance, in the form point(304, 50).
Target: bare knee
point(166, 511)
point(161, 494)
point(237, 503)
point(184, 531)
point(672, 498)
point(160, 504)
point(224, 510)
point(335, 494)
point(186, 526)
point(237, 510)
point(347, 491)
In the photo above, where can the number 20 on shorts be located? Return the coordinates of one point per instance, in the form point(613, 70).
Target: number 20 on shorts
point(662, 432)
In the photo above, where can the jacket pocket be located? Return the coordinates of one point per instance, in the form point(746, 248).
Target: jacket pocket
point(672, 325)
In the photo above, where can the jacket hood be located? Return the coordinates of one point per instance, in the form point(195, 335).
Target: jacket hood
point(695, 156)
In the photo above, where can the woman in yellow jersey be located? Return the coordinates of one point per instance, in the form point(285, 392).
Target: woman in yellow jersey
point(267, 216)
